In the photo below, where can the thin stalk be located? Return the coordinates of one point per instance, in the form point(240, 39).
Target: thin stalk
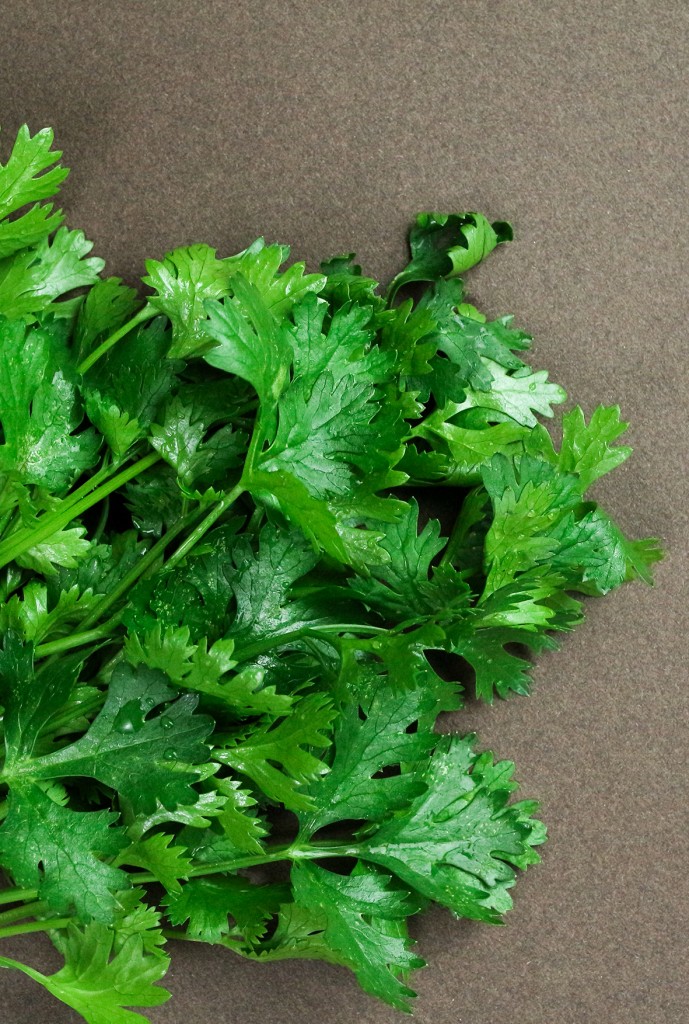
point(137, 571)
point(102, 521)
point(146, 313)
point(17, 895)
point(288, 851)
point(49, 524)
point(261, 646)
point(85, 708)
point(204, 526)
point(68, 643)
point(18, 913)
point(35, 926)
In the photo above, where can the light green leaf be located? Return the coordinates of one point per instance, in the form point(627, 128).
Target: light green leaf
point(277, 755)
point(29, 175)
point(349, 907)
point(208, 904)
point(155, 854)
point(182, 283)
point(99, 979)
point(460, 840)
point(34, 279)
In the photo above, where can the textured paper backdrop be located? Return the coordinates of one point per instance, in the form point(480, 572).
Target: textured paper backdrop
point(328, 125)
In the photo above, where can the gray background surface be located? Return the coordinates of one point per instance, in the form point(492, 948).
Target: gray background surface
point(328, 125)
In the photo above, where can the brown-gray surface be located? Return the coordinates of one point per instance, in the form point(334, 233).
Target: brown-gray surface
point(328, 125)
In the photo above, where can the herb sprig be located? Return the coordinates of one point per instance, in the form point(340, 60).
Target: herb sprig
point(221, 608)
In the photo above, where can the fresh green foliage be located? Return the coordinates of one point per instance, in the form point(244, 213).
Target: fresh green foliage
point(217, 605)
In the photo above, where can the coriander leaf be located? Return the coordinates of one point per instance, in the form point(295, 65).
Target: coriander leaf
point(134, 918)
point(333, 432)
point(125, 389)
point(529, 497)
point(29, 229)
point(407, 587)
point(276, 755)
point(519, 613)
point(262, 584)
point(180, 440)
point(586, 448)
point(65, 548)
point(38, 411)
point(148, 760)
point(342, 349)
point(447, 244)
point(458, 842)
point(328, 528)
point(29, 175)
point(596, 556)
point(26, 176)
point(299, 934)
point(345, 282)
point(237, 819)
point(206, 671)
point(99, 979)
point(350, 907)
point(371, 734)
point(107, 306)
point(56, 850)
point(167, 863)
point(30, 699)
point(33, 279)
point(401, 585)
point(451, 337)
point(409, 332)
point(182, 283)
point(35, 615)
point(196, 595)
point(207, 903)
point(469, 450)
point(260, 266)
point(198, 815)
point(497, 668)
point(235, 827)
point(249, 343)
point(464, 335)
point(517, 395)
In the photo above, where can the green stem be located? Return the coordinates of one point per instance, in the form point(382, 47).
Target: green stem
point(99, 477)
point(4, 809)
point(261, 646)
point(146, 313)
point(68, 643)
point(18, 543)
point(85, 708)
point(17, 913)
point(288, 851)
point(204, 526)
point(35, 926)
point(17, 895)
point(137, 571)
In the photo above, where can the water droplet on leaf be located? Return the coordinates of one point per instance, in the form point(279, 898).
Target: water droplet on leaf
point(130, 717)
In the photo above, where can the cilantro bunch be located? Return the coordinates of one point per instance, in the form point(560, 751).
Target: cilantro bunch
point(223, 622)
